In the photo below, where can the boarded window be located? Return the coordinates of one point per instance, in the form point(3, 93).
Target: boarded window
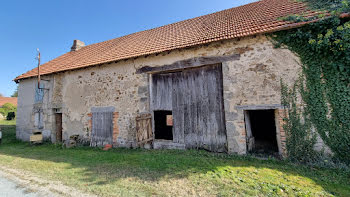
point(102, 126)
point(39, 93)
point(38, 119)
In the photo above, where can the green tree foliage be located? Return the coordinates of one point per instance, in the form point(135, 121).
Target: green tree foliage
point(15, 93)
point(324, 50)
point(329, 5)
point(7, 108)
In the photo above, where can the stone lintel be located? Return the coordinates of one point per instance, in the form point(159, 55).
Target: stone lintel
point(259, 107)
point(102, 109)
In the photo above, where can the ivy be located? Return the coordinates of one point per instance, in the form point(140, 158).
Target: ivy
point(300, 144)
point(324, 87)
point(329, 5)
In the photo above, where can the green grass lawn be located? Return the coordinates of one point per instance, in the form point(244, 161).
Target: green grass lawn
point(124, 172)
point(7, 122)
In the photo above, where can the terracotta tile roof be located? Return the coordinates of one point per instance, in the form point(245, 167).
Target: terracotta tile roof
point(12, 100)
point(254, 18)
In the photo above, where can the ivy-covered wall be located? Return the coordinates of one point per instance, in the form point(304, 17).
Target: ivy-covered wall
point(324, 84)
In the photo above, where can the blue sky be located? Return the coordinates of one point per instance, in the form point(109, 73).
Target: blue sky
point(52, 26)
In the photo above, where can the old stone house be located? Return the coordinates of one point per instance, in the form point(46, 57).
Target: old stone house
point(211, 82)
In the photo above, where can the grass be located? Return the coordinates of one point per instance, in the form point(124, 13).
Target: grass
point(125, 172)
point(8, 122)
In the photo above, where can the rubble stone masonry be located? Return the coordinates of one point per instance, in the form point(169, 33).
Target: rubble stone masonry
point(254, 79)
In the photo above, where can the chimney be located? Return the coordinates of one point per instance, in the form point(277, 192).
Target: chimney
point(77, 44)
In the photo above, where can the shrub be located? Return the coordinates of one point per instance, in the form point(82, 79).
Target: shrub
point(8, 108)
point(11, 116)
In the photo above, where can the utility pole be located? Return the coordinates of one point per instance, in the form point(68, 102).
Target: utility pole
point(38, 58)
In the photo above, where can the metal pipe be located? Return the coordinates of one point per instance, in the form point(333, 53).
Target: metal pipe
point(38, 68)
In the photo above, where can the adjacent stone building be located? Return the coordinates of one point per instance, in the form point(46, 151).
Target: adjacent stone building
point(211, 82)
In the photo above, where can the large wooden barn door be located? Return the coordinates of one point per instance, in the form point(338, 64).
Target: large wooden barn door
point(196, 97)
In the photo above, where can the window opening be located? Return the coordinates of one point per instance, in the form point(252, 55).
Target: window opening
point(163, 128)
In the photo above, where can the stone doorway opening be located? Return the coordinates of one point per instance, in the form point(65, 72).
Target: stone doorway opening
point(261, 130)
point(163, 125)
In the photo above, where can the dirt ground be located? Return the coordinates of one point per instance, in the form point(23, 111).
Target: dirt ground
point(28, 185)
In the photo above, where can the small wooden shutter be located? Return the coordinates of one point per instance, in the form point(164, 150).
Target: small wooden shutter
point(102, 128)
point(144, 128)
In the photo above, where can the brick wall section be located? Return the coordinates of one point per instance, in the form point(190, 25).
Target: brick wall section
point(90, 122)
point(115, 126)
point(280, 114)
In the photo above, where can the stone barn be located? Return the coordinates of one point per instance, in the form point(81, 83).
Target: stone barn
point(211, 82)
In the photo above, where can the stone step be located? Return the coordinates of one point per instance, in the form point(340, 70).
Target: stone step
point(167, 144)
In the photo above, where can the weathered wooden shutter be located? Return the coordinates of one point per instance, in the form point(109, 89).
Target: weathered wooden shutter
point(144, 128)
point(102, 126)
point(162, 92)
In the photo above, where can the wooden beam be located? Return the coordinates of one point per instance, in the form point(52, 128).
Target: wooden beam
point(189, 63)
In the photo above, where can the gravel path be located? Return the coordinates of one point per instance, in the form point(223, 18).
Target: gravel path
point(19, 183)
point(9, 188)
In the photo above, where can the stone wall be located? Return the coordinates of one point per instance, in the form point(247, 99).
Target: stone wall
point(254, 79)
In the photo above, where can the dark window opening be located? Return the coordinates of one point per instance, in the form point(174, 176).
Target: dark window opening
point(262, 137)
point(163, 128)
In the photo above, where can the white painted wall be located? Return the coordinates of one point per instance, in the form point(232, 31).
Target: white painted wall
point(26, 94)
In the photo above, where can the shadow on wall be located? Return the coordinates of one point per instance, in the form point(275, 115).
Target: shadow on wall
point(98, 167)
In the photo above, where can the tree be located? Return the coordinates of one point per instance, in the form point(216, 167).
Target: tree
point(15, 93)
point(9, 107)
point(6, 108)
